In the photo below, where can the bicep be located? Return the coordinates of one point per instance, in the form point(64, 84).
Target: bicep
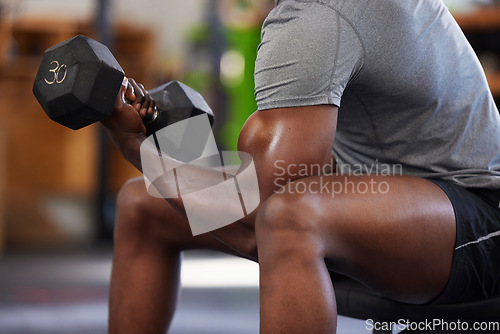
point(286, 143)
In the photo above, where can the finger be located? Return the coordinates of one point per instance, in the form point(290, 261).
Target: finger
point(148, 114)
point(145, 102)
point(139, 94)
point(129, 90)
point(147, 105)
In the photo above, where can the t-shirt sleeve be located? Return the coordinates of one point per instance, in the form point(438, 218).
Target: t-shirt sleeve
point(307, 56)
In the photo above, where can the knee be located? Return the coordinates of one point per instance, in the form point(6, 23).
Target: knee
point(133, 199)
point(135, 210)
point(290, 220)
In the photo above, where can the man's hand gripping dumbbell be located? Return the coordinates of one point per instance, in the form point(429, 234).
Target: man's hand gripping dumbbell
point(79, 82)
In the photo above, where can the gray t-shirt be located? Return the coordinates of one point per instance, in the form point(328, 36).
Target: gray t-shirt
point(410, 89)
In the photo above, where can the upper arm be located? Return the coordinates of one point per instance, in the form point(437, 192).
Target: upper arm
point(288, 143)
point(307, 56)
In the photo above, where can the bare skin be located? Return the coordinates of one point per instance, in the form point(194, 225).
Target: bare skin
point(398, 240)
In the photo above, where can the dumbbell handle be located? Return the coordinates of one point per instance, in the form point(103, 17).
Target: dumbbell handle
point(174, 102)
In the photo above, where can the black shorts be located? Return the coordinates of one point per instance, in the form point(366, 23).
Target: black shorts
point(475, 274)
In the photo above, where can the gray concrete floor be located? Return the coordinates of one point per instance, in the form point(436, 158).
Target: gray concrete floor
point(66, 292)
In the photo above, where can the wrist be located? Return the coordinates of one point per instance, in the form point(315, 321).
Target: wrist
point(128, 144)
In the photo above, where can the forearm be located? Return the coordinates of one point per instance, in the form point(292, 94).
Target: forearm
point(129, 145)
point(218, 186)
point(169, 178)
point(160, 170)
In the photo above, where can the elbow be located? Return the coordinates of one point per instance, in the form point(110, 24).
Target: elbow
point(255, 137)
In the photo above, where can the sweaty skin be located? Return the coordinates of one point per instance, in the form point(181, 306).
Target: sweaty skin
point(290, 234)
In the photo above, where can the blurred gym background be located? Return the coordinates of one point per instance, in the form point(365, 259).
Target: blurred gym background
point(57, 186)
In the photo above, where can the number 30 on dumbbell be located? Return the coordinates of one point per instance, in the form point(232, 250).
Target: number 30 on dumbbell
point(78, 81)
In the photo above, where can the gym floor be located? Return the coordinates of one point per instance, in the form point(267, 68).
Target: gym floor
point(66, 292)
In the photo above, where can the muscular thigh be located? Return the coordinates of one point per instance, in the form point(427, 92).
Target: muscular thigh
point(396, 234)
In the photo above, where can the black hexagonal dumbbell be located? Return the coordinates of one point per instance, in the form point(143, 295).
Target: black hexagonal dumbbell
point(79, 79)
